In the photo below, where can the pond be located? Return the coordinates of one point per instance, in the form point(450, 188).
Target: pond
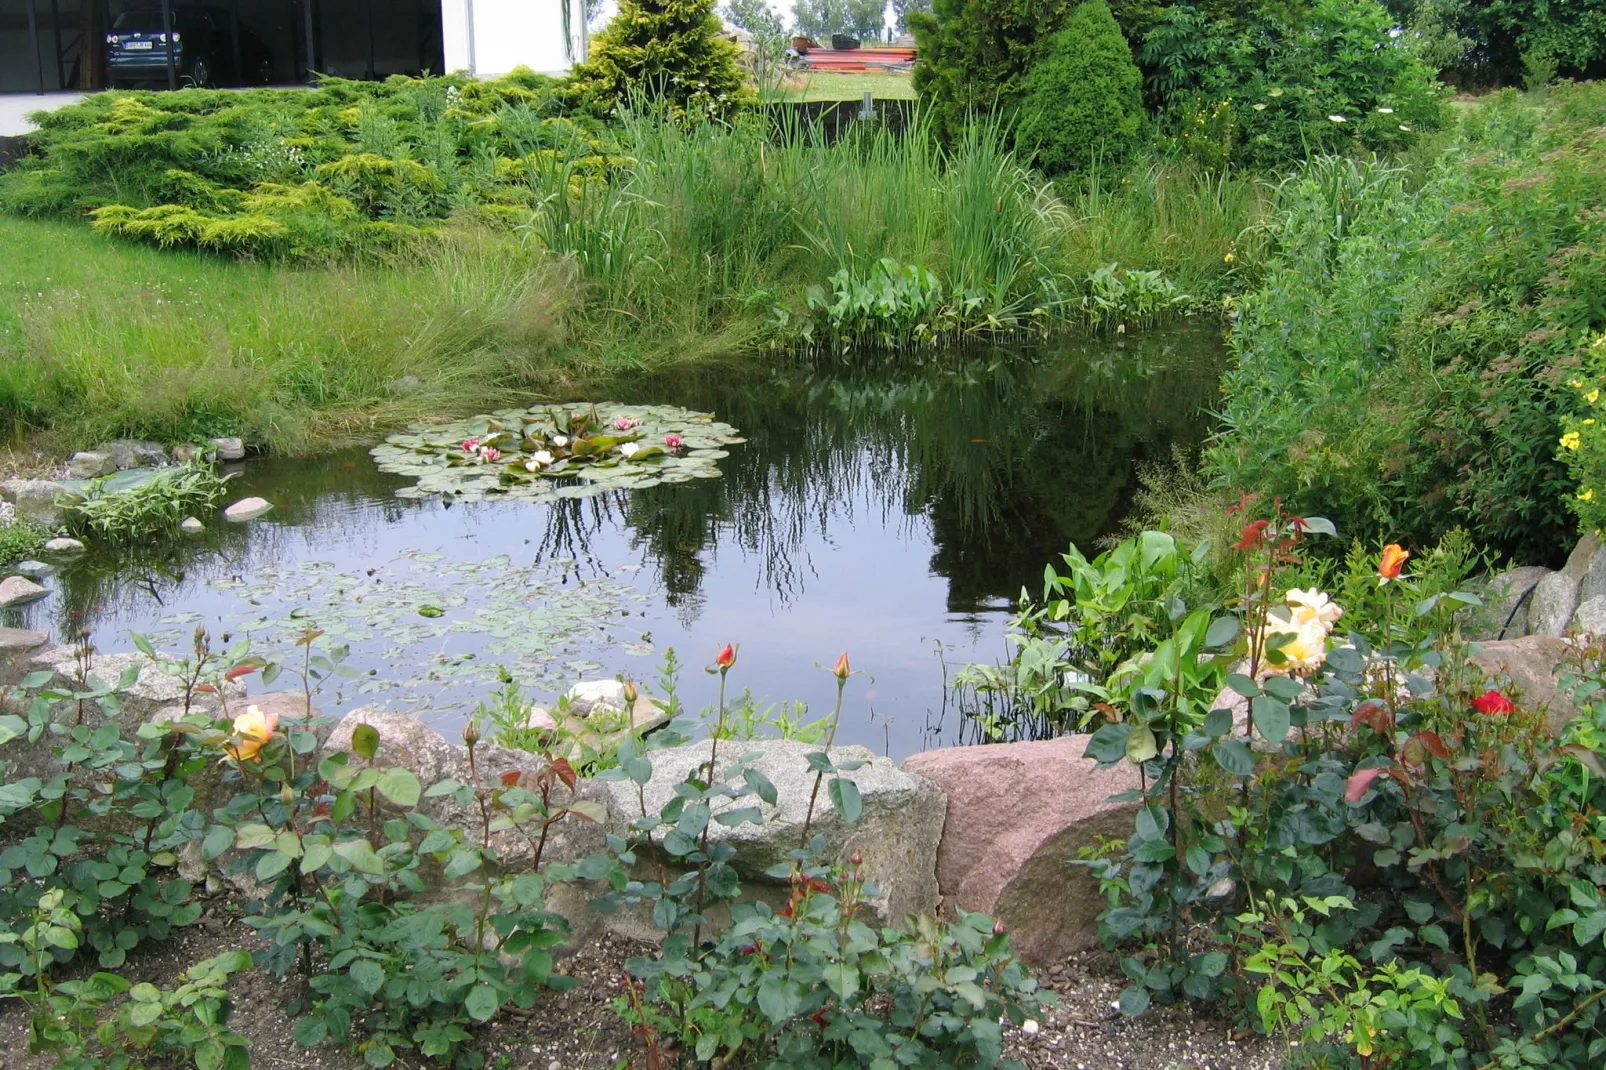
point(896, 516)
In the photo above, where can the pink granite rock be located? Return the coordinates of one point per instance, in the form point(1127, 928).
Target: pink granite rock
point(1017, 814)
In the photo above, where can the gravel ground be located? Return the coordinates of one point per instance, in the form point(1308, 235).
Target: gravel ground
point(577, 1030)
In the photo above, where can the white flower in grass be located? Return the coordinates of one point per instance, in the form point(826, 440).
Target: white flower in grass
point(1337, 119)
point(1385, 111)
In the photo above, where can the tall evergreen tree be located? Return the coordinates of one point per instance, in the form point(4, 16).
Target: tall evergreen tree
point(663, 50)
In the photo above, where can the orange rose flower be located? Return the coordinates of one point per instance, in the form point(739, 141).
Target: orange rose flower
point(1392, 561)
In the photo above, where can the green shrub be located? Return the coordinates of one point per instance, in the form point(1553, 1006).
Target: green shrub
point(350, 167)
point(1082, 101)
point(20, 539)
point(1405, 368)
point(1289, 82)
point(672, 51)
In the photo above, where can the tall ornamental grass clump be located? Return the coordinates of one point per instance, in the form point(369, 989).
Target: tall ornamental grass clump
point(712, 229)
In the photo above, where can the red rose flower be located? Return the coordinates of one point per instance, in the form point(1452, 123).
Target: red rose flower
point(1493, 704)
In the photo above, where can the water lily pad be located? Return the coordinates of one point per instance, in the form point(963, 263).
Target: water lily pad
point(549, 453)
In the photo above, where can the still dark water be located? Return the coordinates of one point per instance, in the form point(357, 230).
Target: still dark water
point(895, 516)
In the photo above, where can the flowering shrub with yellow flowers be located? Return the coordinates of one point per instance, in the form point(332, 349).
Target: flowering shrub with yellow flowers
point(1582, 445)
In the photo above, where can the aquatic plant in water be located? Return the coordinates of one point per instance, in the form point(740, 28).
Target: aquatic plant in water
point(561, 451)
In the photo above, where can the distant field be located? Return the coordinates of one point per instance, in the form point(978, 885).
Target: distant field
point(829, 85)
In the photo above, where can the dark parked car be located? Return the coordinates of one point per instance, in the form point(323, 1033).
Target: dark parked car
point(203, 49)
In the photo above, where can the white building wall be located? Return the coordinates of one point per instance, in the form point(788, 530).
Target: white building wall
point(489, 38)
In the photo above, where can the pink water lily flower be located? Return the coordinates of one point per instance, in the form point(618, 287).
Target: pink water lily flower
point(625, 423)
point(489, 453)
point(470, 445)
point(673, 441)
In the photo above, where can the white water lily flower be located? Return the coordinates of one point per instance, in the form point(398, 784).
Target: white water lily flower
point(560, 440)
point(1337, 119)
point(538, 460)
point(629, 450)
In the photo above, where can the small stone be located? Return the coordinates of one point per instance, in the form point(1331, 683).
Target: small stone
point(246, 509)
point(33, 569)
point(588, 696)
point(64, 546)
point(90, 464)
point(229, 449)
point(540, 720)
point(191, 526)
point(15, 590)
point(128, 453)
point(186, 453)
point(8, 513)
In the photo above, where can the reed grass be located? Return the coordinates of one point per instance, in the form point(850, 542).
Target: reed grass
point(690, 249)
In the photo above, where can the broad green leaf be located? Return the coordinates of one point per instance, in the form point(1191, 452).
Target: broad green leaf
point(1234, 757)
point(1271, 718)
point(400, 786)
point(1140, 745)
point(482, 1002)
point(365, 741)
point(845, 797)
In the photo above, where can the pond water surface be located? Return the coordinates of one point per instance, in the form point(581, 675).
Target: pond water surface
point(895, 516)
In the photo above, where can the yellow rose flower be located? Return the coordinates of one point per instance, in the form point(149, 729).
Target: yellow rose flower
point(1592, 397)
point(252, 730)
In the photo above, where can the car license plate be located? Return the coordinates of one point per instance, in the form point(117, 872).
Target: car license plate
point(140, 46)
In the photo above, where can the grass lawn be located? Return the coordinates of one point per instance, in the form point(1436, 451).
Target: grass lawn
point(101, 338)
point(830, 85)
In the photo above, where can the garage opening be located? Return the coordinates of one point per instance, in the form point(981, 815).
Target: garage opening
point(54, 45)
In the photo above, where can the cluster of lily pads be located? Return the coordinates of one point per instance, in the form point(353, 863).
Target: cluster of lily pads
point(564, 451)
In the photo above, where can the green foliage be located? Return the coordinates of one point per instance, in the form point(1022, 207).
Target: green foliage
point(1405, 367)
point(819, 19)
point(1386, 755)
point(1091, 623)
point(668, 51)
point(811, 983)
point(188, 1025)
point(1082, 100)
point(350, 168)
point(21, 539)
point(1275, 85)
point(154, 507)
point(1503, 42)
point(754, 16)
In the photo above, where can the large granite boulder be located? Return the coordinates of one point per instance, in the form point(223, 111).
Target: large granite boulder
point(1530, 663)
point(18, 646)
point(1506, 602)
point(1556, 597)
point(37, 499)
point(1017, 815)
point(897, 836)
